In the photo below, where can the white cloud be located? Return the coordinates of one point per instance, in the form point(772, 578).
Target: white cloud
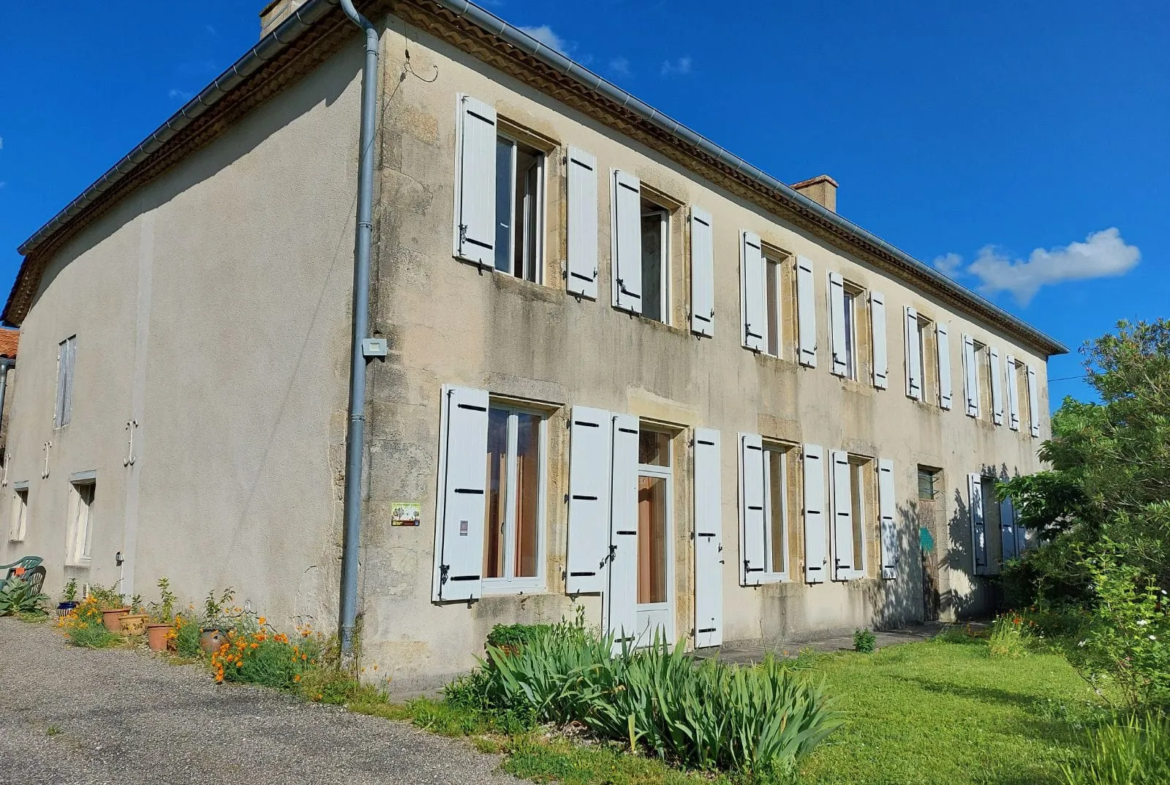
point(211, 30)
point(1, 142)
point(948, 265)
point(3, 183)
point(681, 66)
point(546, 36)
point(182, 95)
point(1103, 254)
point(620, 66)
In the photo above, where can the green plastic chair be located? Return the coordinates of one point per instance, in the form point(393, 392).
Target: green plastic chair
point(34, 573)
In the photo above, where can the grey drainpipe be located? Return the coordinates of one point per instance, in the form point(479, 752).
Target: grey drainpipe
point(5, 364)
point(355, 438)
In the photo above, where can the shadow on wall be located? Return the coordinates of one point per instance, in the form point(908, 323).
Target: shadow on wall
point(899, 601)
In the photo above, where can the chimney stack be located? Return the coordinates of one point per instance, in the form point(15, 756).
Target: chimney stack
point(822, 189)
point(276, 12)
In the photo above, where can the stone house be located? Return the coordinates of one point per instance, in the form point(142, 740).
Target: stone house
point(627, 372)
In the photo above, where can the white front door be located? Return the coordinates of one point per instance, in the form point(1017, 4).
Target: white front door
point(655, 601)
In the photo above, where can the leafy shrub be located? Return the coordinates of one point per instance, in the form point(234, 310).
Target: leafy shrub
point(18, 597)
point(1127, 638)
point(514, 635)
point(864, 641)
point(1010, 636)
point(83, 626)
point(1131, 751)
point(710, 715)
point(106, 599)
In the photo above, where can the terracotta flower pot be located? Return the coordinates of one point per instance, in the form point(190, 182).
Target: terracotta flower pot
point(211, 640)
point(156, 636)
point(134, 623)
point(113, 618)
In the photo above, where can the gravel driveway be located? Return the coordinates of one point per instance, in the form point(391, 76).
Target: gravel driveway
point(71, 715)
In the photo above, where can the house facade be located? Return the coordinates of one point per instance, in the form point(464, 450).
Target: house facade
point(626, 374)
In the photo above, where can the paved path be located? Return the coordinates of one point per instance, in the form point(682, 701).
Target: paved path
point(84, 717)
point(754, 652)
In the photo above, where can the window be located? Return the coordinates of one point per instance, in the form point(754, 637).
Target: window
point(655, 261)
point(81, 520)
point(927, 483)
point(66, 356)
point(850, 335)
point(512, 548)
point(984, 372)
point(519, 209)
point(859, 481)
point(849, 345)
point(1024, 407)
point(927, 358)
point(773, 313)
point(19, 517)
point(776, 511)
point(654, 489)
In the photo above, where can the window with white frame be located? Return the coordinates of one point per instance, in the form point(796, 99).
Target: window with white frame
point(66, 356)
point(655, 261)
point(776, 510)
point(19, 515)
point(513, 524)
point(850, 297)
point(654, 515)
point(849, 339)
point(81, 522)
point(927, 354)
point(851, 491)
point(519, 245)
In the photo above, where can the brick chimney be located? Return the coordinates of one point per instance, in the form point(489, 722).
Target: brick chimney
point(276, 12)
point(822, 189)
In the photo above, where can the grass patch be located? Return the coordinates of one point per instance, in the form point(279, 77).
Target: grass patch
point(945, 711)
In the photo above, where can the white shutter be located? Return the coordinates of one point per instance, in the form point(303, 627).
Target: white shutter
point(1007, 530)
point(70, 374)
point(1033, 402)
point(996, 387)
point(627, 242)
point(842, 515)
point(881, 360)
point(1013, 393)
point(913, 355)
point(806, 318)
point(816, 557)
point(837, 324)
point(887, 510)
point(751, 510)
point(581, 269)
point(622, 603)
point(978, 529)
point(702, 273)
point(751, 291)
point(945, 389)
point(971, 376)
point(462, 495)
point(708, 540)
point(475, 183)
point(589, 479)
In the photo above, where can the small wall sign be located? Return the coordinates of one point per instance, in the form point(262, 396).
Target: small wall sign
point(405, 513)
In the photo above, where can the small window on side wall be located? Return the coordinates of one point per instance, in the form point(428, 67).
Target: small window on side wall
point(655, 261)
point(66, 361)
point(81, 520)
point(19, 514)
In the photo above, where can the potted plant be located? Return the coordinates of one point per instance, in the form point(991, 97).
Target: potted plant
point(213, 634)
point(68, 598)
point(162, 617)
point(134, 622)
point(112, 606)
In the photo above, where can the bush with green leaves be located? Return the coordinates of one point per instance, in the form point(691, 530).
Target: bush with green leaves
point(1127, 639)
point(1131, 750)
point(706, 715)
point(864, 641)
point(514, 635)
point(1010, 636)
point(18, 597)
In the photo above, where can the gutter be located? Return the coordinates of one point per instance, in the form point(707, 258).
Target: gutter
point(490, 23)
point(360, 353)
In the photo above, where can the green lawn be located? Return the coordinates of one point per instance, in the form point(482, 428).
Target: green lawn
point(948, 713)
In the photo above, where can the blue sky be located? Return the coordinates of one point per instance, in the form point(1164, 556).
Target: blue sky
point(1023, 147)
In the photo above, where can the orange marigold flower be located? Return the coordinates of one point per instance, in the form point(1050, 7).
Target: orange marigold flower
point(240, 664)
point(255, 645)
point(261, 636)
point(261, 620)
point(297, 677)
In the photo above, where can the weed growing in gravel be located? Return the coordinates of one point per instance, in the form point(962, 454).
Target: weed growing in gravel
point(83, 626)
